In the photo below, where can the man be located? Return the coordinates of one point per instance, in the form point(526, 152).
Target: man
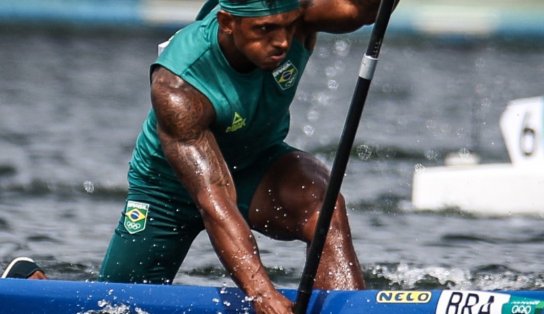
point(211, 153)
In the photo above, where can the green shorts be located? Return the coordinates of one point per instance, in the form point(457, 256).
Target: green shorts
point(157, 228)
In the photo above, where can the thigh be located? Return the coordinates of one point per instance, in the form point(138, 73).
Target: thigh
point(248, 179)
point(150, 252)
point(286, 203)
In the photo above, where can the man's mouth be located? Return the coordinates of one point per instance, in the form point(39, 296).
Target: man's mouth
point(278, 57)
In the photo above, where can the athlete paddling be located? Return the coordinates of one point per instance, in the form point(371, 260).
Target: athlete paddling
point(211, 154)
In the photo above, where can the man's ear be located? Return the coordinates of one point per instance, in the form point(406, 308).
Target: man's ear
point(226, 22)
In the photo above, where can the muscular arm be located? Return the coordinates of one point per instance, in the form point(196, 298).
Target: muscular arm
point(184, 116)
point(338, 16)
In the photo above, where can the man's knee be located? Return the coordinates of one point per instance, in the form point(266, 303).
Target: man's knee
point(338, 222)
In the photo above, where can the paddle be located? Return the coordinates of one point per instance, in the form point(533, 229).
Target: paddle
point(366, 72)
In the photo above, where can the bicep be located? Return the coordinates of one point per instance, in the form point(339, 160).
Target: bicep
point(183, 120)
point(181, 110)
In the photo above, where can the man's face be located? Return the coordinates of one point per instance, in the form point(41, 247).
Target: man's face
point(264, 41)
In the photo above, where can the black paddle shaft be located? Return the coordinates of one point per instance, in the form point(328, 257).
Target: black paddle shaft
point(366, 73)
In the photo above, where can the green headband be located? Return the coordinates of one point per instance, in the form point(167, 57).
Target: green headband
point(257, 8)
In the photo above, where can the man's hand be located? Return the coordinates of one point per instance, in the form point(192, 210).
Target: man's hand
point(274, 303)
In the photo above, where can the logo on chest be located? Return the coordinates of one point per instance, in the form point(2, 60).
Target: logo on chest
point(238, 122)
point(285, 75)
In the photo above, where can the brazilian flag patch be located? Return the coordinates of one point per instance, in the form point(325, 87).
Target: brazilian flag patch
point(285, 75)
point(135, 216)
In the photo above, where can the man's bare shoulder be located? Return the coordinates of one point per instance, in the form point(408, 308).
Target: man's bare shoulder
point(178, 105)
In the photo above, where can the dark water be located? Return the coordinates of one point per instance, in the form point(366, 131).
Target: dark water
point(71, 104)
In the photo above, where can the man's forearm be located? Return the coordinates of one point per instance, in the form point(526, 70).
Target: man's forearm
point(237, 249)
point(340, 16)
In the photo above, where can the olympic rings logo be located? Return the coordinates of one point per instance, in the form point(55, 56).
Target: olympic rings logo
point(522, 309)
point(135, 225)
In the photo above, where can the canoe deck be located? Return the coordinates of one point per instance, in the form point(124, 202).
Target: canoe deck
point(56, 296)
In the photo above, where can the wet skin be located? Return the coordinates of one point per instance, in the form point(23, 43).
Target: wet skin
point(286, 203)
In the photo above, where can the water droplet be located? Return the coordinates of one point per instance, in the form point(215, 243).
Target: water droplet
point(88, 186)
point(364, 152)
point(323, 52)
point(308, 130)
point(312, 115)
point(342, 47)
point(332, 84)
point(431, 154)
point(330, 71)
point(430, 124)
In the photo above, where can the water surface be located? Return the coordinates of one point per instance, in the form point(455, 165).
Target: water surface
point(71, 105)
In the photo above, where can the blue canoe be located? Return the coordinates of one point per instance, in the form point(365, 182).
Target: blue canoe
point(56, 296)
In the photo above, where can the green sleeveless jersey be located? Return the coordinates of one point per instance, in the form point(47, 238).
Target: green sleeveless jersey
point(252, 109)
